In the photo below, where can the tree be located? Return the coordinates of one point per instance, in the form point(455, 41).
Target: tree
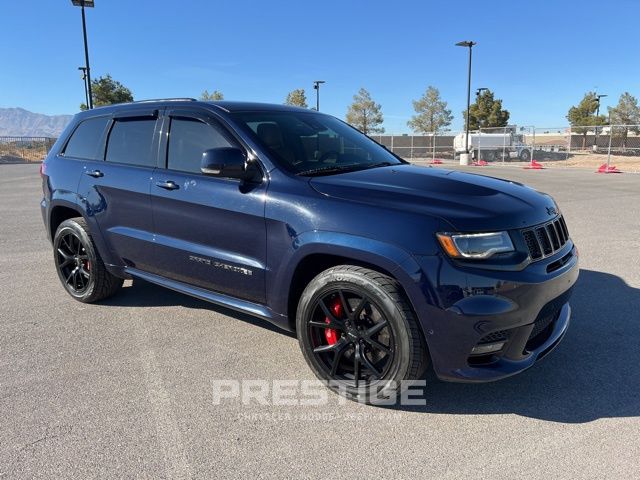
point(584, 115)
point(297, 98)
point(107, 91)
point(626, 115)
point(211, 97)
point(365, 114)
point(486, 112)
point(431, 113)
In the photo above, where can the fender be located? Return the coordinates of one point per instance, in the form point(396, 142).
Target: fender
point(74, 202)
point(391, 258)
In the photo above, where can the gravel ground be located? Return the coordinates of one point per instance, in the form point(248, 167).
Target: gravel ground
point(124, 388)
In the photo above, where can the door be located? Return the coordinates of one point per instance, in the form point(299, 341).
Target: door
point(210, 231)
point(116, 188)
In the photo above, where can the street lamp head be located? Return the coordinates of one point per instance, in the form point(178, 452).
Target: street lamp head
point(316, 84)
point(83, 3)
point(466, 43)
point(480, 90)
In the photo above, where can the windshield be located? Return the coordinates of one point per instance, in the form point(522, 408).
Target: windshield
point(313, 144)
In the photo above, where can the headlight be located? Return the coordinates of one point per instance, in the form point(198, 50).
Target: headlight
point(475, 245)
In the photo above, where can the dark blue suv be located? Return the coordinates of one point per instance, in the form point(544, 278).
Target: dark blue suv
point(291, 215)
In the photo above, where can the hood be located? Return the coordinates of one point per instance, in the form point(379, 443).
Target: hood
point(469, 202)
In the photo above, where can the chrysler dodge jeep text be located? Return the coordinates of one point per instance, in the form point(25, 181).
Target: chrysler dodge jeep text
point(379, 267)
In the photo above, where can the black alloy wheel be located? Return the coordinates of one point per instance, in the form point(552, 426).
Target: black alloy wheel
point(352, 339)
point(358, 333)
point(79, 265)
point(73, 263)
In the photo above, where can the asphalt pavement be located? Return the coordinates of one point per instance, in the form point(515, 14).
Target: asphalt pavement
point(125, 388)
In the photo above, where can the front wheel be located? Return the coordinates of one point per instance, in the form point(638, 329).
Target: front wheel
point(79, 265)
point(358, 333)
point(525, 155)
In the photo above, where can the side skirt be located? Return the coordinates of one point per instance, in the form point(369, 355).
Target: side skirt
point(233, 303)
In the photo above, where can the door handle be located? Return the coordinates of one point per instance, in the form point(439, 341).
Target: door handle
point(95, 173)
point(168, 185)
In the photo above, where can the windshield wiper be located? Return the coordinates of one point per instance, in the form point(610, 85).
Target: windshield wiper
point(342, 168)
point(376, 165)
point(335, 169)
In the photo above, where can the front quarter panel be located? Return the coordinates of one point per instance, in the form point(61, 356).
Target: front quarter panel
point(301, 222)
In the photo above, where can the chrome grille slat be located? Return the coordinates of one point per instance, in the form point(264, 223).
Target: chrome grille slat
point(559, 232)
point(546, 239)
point(553, 236)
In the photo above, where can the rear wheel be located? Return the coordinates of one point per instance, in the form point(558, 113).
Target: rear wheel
point(525, 155)
point(78, 263)
point(358, 333)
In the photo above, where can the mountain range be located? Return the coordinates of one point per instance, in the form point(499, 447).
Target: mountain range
point(18, 122)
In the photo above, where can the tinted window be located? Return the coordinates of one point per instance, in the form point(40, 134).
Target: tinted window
point(85, 141)
point(130, 142)
point(188, 139)
point(312, 143)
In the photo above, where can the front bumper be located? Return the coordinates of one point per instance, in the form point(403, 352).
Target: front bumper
point(466, 307)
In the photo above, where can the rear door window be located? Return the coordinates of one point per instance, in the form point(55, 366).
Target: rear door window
point(130, 142)
point(86, 141)
point(188, 140)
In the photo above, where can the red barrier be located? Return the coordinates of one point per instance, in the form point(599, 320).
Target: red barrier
point(604, 168)
point(436, 161)
point(534, 166)
point(479, 163)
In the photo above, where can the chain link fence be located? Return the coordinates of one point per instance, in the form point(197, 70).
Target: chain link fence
point(419, 148)
point(586, 146)
point(576, 146)
point(24, 149)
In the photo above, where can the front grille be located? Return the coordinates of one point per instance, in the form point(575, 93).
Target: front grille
point(546, 239)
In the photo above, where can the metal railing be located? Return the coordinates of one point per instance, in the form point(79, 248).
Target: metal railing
point(24, 149)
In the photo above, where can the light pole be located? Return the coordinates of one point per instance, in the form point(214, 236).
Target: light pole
point(464, 158)
point(598, 97)
point(88, 4)
point(84, 79)
point(316, 87)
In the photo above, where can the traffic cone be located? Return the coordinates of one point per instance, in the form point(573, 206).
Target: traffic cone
point(604, 168)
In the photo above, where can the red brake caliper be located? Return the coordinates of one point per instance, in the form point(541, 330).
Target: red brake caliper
point(330, 333)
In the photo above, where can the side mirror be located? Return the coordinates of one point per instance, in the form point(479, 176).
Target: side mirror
point(227, 162)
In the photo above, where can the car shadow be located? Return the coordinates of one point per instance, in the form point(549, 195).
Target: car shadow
point(140, 293)
point(592, 374)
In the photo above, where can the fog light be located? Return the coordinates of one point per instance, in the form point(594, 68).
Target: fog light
point(487, 348)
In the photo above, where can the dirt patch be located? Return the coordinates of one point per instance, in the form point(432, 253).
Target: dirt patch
point(594, 160)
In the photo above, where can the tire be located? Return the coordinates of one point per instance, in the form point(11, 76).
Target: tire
point(79, 265)
point(379, 318)
point(525, 155)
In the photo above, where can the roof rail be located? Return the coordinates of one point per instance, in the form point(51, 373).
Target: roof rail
point(178, 99)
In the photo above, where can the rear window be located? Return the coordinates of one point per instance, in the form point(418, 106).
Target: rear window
point(85, 142)
point(130, 142)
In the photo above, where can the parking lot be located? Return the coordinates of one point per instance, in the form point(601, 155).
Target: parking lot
point(124, 388)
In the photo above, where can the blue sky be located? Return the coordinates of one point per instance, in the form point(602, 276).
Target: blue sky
point(538, 56)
